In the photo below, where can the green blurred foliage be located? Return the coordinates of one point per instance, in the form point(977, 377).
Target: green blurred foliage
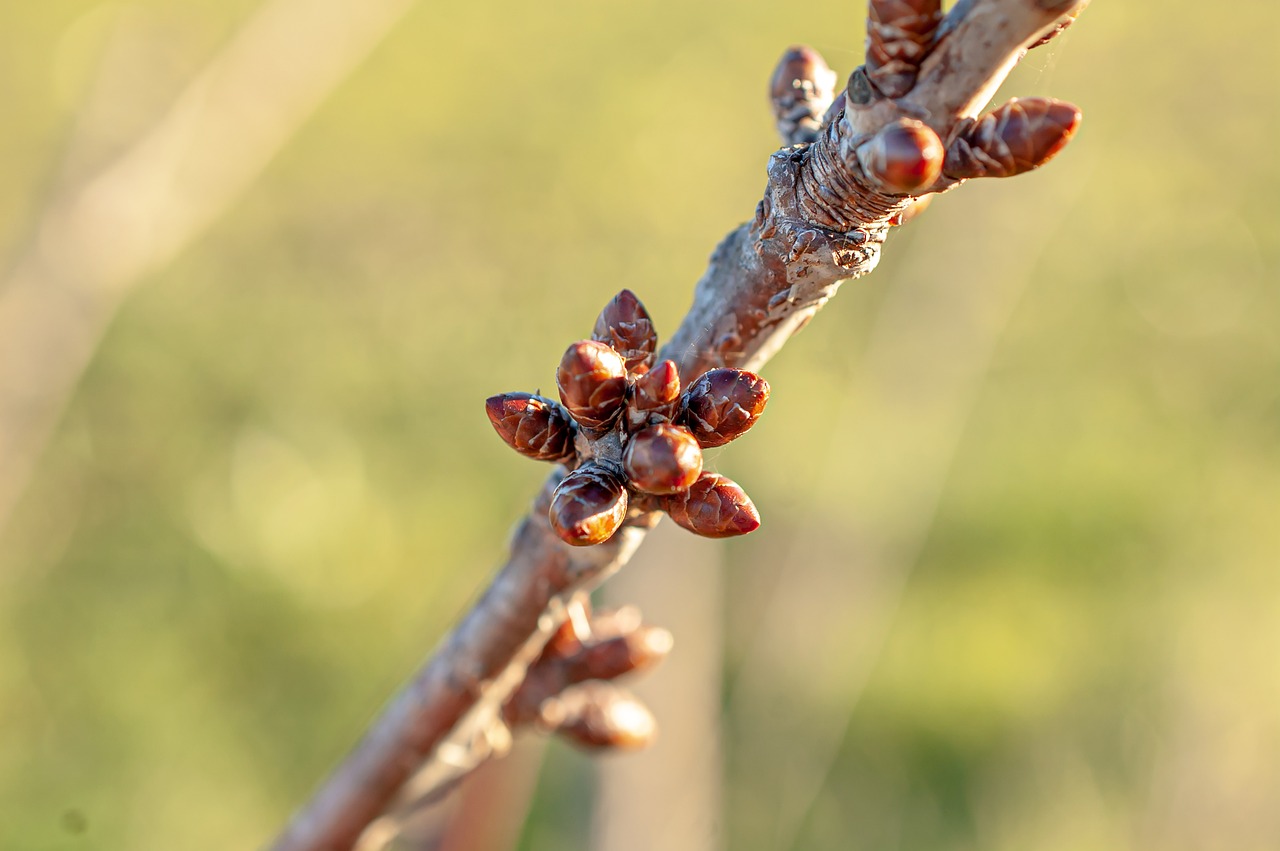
point(275, 488)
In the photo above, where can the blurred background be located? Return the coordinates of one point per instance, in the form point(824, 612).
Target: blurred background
point(1017, 585)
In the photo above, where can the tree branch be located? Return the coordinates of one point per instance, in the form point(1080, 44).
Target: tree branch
point(827, 209)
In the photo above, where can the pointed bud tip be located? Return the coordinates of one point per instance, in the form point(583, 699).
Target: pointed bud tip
point(535, 427)
point(493, 407)
point(799, 64)
point(1066, 115)
point(715, 507)
point(626, 298)
point(657, 642)
point(746, 520)
point(658, 390)
point(599, 716)
point(633, 724)
point(625, 326)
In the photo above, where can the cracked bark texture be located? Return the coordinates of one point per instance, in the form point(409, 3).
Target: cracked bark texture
point(822, 221)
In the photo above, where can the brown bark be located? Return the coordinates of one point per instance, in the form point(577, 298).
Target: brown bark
point(822, 221)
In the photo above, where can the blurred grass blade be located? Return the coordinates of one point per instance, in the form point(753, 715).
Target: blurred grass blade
point(97, 238)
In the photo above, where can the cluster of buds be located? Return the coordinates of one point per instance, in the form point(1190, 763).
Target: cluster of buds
point(570, 688)
point(906, 156)
point(631, 436)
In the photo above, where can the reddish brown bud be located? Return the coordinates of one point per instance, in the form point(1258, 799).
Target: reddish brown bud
point(610, 658)
point(588, 506)
point(658, 391)
point(662, 459)
point(723, 404)
point(598, 715)
point(1017, 137)
point(531, 425)
point(800, 91)
point(604, 646)
point(899, 34)
point(715, 507)
point(903, 157)
point(593, 383)
point(624, 325)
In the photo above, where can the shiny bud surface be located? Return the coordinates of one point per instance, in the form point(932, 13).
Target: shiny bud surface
point(899, 35)
point(662, 459)
point(592, 380)
point(723, 403)
point(658, 390)
point(531, 425)
point(904, 156)
point(625, 326)
point(715, 507)
point(588, 506)
point(801, 68)
point(1012, 139)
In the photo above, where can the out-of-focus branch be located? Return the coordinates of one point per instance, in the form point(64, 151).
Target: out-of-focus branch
point(827, 209)
point(567, 690)
point(96, 239)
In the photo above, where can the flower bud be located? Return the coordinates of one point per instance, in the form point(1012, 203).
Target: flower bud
point(899, 34)
point(662, 459)
point(599, 715)
point(624, 325)
point(903, 157)
point(610, 658)
point(531, 425)
point(800, 91)
point(587, 506)
point(657, 392)
point(723, 404)
point(1012, 139)
point(715, 507)
point(593, 383)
